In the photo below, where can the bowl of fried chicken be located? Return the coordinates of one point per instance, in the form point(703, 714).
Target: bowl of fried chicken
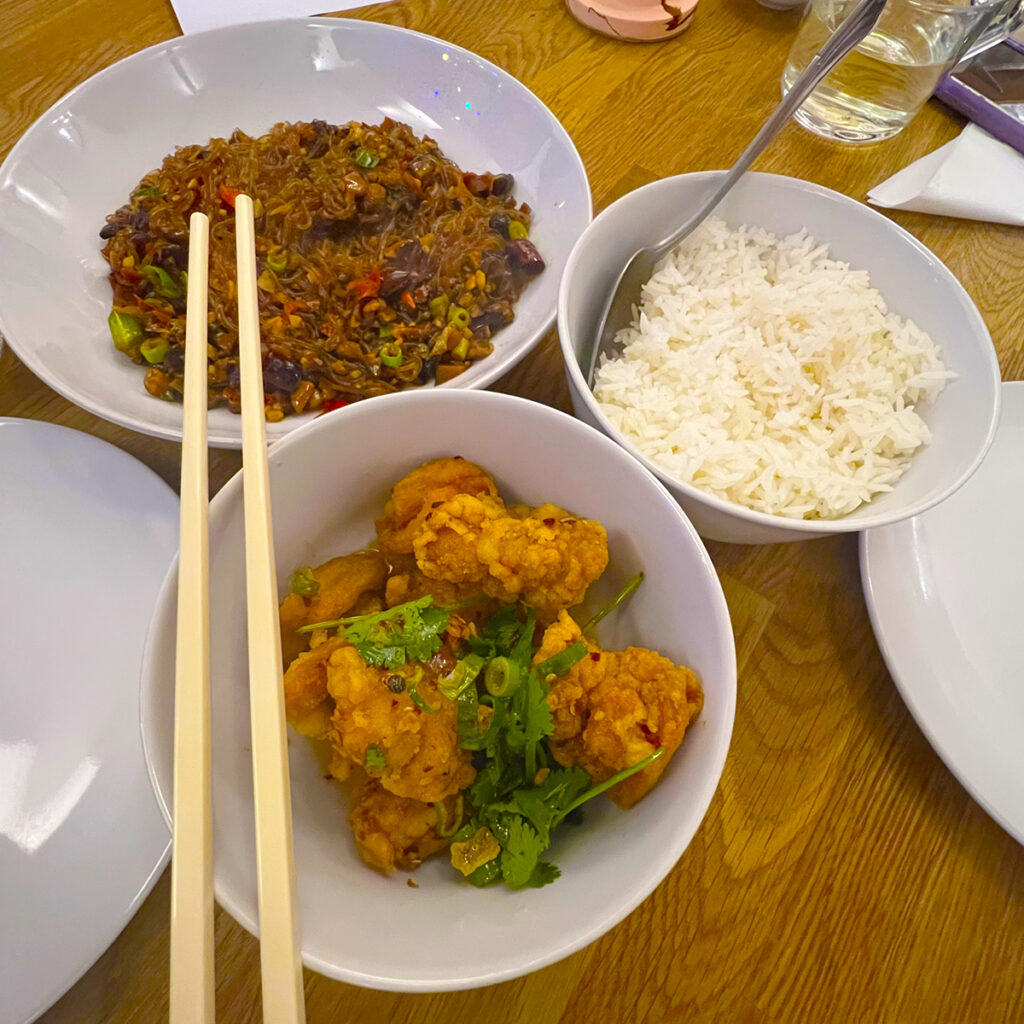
point(509, 676)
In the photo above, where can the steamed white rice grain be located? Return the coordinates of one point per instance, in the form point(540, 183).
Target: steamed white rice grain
point(770, 375)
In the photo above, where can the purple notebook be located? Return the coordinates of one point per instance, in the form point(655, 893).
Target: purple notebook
point(989, 90)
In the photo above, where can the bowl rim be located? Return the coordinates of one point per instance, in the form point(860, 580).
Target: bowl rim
point(66, 386)
point(698, 798)
point(814, 527)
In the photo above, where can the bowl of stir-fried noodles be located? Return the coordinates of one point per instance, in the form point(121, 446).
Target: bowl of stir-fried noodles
point(415, 206)
point(398, 810)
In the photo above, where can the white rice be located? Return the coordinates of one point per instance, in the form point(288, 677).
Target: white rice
point(770, 375)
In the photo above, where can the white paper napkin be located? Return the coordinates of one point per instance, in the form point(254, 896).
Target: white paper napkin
point(200, 15)
point(975, 176)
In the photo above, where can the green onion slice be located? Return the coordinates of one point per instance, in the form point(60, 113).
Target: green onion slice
point(502, 677)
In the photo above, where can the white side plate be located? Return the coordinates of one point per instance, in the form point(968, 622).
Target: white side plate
point(944, 594)
point(86, 535)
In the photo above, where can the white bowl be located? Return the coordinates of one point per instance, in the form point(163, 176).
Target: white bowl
point(80, 160)
point(329, 480)
point(912, 280)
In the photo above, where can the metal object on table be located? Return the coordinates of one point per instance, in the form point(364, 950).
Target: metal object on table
point(618, 312)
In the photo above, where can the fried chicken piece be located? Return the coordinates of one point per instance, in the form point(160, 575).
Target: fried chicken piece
point(407, 583)
point(614, 708)
point(419, 751)
point(545, 556)
point(412, 497)
point(343, 581)
point(307, 704)
point(393, 831)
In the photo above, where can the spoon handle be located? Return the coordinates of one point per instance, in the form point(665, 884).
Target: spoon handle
point(859, 23)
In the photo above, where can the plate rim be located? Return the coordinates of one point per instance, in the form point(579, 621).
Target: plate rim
point(83, 964)
point(227, 440)
point(918, 709)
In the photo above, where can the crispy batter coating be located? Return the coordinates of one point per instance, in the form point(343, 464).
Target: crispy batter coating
point(421, 754)
point(412, 497)
point(343, 581)
point(614, 708)
point(393, 831)
point(407, 583)
point(307, 704)
point(545, 557)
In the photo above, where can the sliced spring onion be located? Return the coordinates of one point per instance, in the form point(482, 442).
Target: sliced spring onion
point(462, 676)
point(364, 158)
point(277, 262)
point(304, 583)
point(502, 677)
point(154, 349)
point(391, 354)
point(445, 828)
point(149, 192)
point(127, 332)
point(458, 316)
point(420, 702)
point(438, 305)
point(164, 284)
point(560, 663)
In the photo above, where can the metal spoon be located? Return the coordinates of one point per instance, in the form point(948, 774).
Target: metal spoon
point(618, 312)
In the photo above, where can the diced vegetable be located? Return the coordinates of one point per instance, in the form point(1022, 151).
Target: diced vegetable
point(162, 282)
point(127, 332)
point(517, 229)
point(278, 262)
point(391, 354)
point(458, 316)
point(304, 582)
point(229, 195)
point(364, 158)
point(154, 349)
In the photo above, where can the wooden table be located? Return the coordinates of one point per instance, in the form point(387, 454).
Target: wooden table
point(841, 873)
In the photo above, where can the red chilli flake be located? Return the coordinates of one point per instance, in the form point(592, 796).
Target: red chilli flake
point(334, 403)
point(594, 656)
point(549, 522)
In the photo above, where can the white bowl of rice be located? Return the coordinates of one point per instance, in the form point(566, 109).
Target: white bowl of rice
point(798, 366)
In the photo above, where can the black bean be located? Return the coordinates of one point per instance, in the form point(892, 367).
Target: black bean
point(499, 223)
point(522, 254)
point(233, 376)
point(109, 230)
point(174, 360)
point(281, 375)
point(428, 371)
point(492, 319)
point(396, 684)
point(502, 185)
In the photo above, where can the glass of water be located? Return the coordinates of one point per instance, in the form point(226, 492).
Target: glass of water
point(881, 85)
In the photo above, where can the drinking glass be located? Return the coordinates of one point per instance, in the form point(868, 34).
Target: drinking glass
point(881, 85)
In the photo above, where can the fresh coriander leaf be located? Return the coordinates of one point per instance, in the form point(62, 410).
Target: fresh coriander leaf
point(467, 720)
point(388, 639)
point(376, 759)
point(543, 805)
point(544, 873)
point(521, 849)
point(560, 663)
point(498, 635)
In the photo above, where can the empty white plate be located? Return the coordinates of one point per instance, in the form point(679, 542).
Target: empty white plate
point(86, 535)
point(944, 592)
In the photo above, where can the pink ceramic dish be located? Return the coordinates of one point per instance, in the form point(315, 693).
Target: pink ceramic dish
point(644, 21)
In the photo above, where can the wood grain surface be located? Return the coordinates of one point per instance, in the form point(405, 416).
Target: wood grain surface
point(841, 873)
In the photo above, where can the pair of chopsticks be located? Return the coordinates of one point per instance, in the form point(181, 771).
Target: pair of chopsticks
point(191, 968)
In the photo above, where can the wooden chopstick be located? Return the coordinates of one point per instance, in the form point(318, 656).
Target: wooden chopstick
point(280, 964)
point(191, 978)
